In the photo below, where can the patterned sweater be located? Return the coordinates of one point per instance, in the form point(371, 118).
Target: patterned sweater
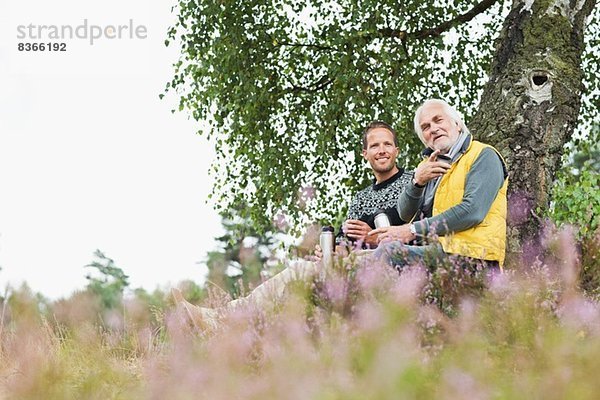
point(378, 196)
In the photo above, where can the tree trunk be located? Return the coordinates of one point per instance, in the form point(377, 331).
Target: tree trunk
point(530, 105)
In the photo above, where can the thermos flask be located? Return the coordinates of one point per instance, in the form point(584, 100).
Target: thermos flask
point(327, 242)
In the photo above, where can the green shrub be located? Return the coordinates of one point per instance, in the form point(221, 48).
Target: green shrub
point(576, 201)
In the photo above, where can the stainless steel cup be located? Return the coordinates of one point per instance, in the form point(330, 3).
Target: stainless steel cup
point(381, 219)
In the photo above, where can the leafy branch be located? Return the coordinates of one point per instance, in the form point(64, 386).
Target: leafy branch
point(441, 28)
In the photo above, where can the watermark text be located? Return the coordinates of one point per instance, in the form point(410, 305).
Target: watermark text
point(89, 32)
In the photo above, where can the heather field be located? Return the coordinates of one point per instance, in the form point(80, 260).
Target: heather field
point(360, 331)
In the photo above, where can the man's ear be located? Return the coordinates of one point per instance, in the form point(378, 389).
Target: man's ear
point(364, 153)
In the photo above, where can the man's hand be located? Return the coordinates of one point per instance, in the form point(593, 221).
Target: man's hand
point(341, 251)
point(358, 230)
point(430, 169)
point(318, 254)
point(389, 233)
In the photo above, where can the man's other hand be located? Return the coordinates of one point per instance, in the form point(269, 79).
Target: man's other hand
point(430, 169)
point(401, 233)
point(318, 254)
point(358, 230)
point(342, 251)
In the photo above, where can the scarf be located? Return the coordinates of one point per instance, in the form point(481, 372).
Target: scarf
point(456, 151)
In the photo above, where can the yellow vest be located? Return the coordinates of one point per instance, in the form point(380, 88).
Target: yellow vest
point(487, 240)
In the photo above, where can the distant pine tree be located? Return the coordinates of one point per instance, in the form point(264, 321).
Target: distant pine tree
point(111, 283)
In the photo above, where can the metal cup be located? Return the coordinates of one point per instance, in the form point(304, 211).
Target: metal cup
point(381, 219)
point(444, 158)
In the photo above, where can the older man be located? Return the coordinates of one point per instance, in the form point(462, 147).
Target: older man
point(458, 194)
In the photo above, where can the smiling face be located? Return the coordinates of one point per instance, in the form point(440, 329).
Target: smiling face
point(440, 131)
point(381, 153)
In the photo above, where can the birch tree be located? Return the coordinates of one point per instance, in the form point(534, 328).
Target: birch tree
point(287, 86)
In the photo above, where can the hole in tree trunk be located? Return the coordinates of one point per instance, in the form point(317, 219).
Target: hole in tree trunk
point(539, 80)
point(541, 86)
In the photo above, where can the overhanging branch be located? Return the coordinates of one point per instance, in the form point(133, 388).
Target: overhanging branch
point(443, 27)
point(479, 8)
point(320, 84)
point(308, 45)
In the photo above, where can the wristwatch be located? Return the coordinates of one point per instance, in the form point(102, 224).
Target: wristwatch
point(413, 229)
point(414, 182)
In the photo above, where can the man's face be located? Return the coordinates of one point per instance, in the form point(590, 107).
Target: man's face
point(439, 130)
point(381, 152)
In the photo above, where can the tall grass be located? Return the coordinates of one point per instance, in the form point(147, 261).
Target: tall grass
point(358, 332)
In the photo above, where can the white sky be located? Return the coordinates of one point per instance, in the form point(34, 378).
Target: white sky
point(90, 158)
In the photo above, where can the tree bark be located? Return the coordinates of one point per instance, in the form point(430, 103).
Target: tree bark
point(530, 105)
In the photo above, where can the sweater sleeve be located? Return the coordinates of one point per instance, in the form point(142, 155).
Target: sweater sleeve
point(409, 202)
point(483, 181)
point(353, 211)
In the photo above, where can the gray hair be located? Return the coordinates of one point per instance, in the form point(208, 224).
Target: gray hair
point(448, 109)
